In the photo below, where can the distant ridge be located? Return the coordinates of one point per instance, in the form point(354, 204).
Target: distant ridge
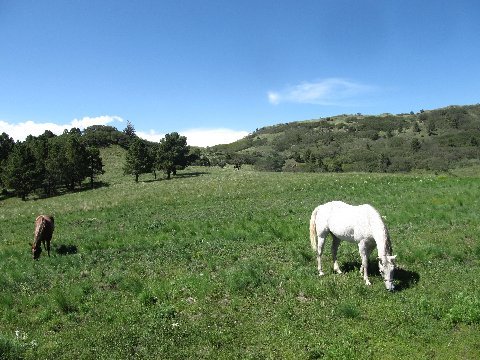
point(432, 140)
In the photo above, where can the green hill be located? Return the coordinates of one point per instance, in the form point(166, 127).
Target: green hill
point(435, 140)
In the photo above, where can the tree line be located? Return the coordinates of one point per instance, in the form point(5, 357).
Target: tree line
point(50, 164)
point(170, 155)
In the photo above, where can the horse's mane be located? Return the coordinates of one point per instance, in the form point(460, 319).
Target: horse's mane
point(386, 235)
point(388, 243)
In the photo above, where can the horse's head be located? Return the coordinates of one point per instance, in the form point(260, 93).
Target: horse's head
point(386, 265)
point(36, 251)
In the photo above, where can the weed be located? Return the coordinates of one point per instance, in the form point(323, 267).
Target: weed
point(465, 309)
point(348, 310)
point(65, 303)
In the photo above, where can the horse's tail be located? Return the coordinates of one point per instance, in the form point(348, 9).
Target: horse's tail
point(313, 230)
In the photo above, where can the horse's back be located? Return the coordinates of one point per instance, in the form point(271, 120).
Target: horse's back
point(334, 217)
point(349, 222)
point(44, 226)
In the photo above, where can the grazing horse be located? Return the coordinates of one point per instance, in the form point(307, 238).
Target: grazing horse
point(357, 224)
point(43, 234)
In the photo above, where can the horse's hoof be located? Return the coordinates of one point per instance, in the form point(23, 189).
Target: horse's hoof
point(321, 273)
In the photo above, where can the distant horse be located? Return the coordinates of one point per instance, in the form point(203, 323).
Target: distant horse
point(44, 227)
point(357, 224)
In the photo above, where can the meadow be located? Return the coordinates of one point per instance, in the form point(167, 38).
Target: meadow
point(216, 263)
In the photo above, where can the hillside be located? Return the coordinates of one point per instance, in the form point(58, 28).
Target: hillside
point(435, 140)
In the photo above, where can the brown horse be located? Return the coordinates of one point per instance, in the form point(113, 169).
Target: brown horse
point(43, 234)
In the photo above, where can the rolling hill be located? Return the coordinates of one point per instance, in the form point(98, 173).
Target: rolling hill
point(433, 140)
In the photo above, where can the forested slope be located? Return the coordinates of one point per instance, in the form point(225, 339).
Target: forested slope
point(436, 140)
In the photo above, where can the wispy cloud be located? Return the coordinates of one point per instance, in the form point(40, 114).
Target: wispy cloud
point(332, 91)
point(200, 137)
point(21, 130)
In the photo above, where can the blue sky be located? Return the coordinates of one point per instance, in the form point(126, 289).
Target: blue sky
point(217, 70)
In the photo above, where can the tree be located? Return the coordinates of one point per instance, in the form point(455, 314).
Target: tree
point(103, 136)
point(6, 147)
point(383, 162)
point(20, 172)
point(138, 159)
point(415, 145)
point(173, 154)
point(40, 149)
point(95, 164)
point(431, 127)
point(416, 127)
point(55, 164)
point(76, 169)
point(129, 130)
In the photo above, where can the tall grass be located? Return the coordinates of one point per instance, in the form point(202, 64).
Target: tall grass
point(217, 264)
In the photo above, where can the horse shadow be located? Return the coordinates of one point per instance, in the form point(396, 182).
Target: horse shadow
point(66, 249)
point(178, 176)
point(190, 174)
point(404, 279)
point(61, 190)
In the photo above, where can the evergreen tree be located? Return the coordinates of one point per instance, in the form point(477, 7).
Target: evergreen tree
point(138, 160)
point(173, 154)
point(6, 147)
point(95, 164)
point(129, 130)
point(76, 169)
point(56, 164)
point(20, 172)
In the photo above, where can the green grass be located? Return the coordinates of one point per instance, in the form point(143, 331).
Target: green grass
point(217, 264)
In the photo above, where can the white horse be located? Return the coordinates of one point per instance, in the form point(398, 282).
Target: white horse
point(357, 224)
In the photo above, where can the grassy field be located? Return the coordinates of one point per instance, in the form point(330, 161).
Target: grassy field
point(216, 263)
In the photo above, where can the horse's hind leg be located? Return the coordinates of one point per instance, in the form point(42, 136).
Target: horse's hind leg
point(320, 244)
point(46, 245)
point(335, 244)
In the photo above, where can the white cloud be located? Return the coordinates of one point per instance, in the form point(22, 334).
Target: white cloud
point(200, 137)
point(210, 137)
point(151, 135)
point(332, 91)
point(21, 130)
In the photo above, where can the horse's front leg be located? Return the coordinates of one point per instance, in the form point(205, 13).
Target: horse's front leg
point(335, 244)
point(363, 268)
